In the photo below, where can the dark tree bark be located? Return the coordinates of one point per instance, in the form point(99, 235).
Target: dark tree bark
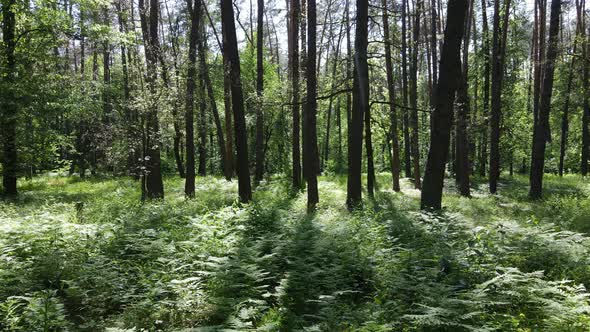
point(541, 134)
point(406, 119)
point(433, 51)
point(348, 67)
point(294, 67)
point(259, 93)
point(360, 105)
point(566, 103)
point(202, 122)
point(310, 162)
point(230, 47)
point(229, 149)
point(586, 112)
point(191, 77)
point(462, 143)
point(154, 187)
point(414, 146)
point(202, 117)
point(395, 163)
point(9, 110)
point(369, 152)
point(498, 55)
point(483, 156)
point(443, 112)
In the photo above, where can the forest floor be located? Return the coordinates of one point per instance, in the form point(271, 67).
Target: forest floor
point(86, 255)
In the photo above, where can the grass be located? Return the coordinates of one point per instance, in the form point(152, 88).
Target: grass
point(88, 256)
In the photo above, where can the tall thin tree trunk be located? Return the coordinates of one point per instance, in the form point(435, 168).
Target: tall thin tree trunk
point(406, 119)
point(360, 94)
point(154, 187)
point(566, 104)
point(310, 162)
point(229, 149)
point(230, 47)
point(541, 134)
point(294, 67)
point(462, 144)
point(259, 93)
point(443, 112)
point(395, 163)
point(586, 112)
point(191, 77)
point(9, 110)
point(369, 152)
point(483, 157)
point(499, 51)
point(414, 146)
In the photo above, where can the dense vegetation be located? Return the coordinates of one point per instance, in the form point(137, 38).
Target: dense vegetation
point(491, 262)
point(310, 165)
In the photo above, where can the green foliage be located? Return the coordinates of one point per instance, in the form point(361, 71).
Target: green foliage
point(85, 255)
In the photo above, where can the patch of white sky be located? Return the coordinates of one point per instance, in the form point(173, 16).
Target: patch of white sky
point(276, 20)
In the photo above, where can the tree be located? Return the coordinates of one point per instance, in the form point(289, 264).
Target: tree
point(310, 162)
point(259, 94)
point(443, 112)
point(395, 164)
point(541, 133)
point(586, 111)
point(462, 143)
point(498, 55)
point(230, 47)
point(570, 78)
point(483, 150)
point(414, 144)
point(9, 107)
point(406, 118)
point(360, 104)
point(294, 70)
point(191, 76)
point(152, 178)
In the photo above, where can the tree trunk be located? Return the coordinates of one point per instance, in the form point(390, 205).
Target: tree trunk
point(499, 51)
point(566, 105)
point(462, 144)
point(294, 67)
point(310, 162)
point(586, 112)
point(395, 167)
point(230, 47)
point(202, 123)
point(360, 105)
point(191, 77)
point(154, 187)
point(483, 157)
point(443, 112)
point(9, 108)
point(259, 94)
point(406, 119)
point(414, 146)
point(369, 152)
point(229, 160)
point(541, 134)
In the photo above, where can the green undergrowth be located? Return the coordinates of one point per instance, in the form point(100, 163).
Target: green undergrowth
point(88, 256)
